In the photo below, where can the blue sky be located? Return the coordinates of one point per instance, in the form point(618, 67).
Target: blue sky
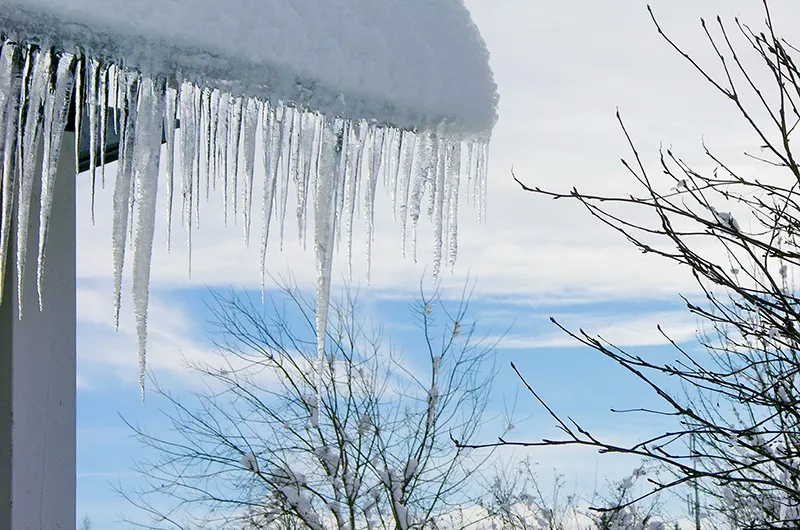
point(562, 69)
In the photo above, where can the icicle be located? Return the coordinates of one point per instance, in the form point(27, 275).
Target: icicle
point(10, 84)
point(297, 170)
point(351, 190)
point(92, 79)
point(343, 146)
point(78, 112)
point(127, 100)
point(314, 158)
point(9, 99)
point(187, 160)
point(325, 227)
point(394, 168)
point(212, 135)
point(197, 134)
point(439, 193)
point(287, 121)
point(422, 170)
point(103, 101)
point(122, 187)
point(30, 132)
point(145, 168)
point(235, 138)
point(171, 102)
point(469, 189)
point(483, 172)
point(307, 132)
point(407, 173)
point(250, 128)
point(453, 179)
point(376, 141)
point(206, 139)
point(222, 149)
point(55, 119)
point(270, 173)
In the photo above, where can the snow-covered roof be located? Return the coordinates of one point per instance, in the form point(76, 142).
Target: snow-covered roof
point(346, 94)
point(409, 63)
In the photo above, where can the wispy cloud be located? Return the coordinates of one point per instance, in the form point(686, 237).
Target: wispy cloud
point(620, 329)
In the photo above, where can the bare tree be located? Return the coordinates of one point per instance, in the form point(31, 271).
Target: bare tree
point(517, 500)
point(736, 433)
point(361, 439)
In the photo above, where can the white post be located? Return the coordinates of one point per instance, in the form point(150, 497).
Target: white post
point(38, 371)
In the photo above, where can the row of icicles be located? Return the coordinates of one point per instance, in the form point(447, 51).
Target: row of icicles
point(336, 161)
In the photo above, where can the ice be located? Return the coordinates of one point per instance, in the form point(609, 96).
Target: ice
point(10, 84)
point(145, 168)
point(127, 103)
point(28, 137)
point(93, 79)
point(325, 223)
point(453, 178)
point(271, 133)
point(439, 194)
point(286, 118)
point(55, 118)
point(222, 149)
point(78, 117)
point(188, 151)
point(235, 131)
point(102, 100)
point(375, 141)
point(169, 133)
point(250, 126)
point(349, 96)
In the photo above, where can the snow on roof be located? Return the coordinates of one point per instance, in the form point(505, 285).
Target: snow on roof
point(410, 64)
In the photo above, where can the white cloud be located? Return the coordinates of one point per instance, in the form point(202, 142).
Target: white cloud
point(619, 329)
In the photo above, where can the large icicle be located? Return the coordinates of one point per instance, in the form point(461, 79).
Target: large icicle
point(55, 119)
point(127, 103)
point(10, 84)
point(325, 223)
point(188, 148)
point(271, 132)
point(145, 168)
point(30, 132)
point(375, 138)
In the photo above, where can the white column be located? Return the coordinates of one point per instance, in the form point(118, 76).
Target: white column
point(37, 373)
